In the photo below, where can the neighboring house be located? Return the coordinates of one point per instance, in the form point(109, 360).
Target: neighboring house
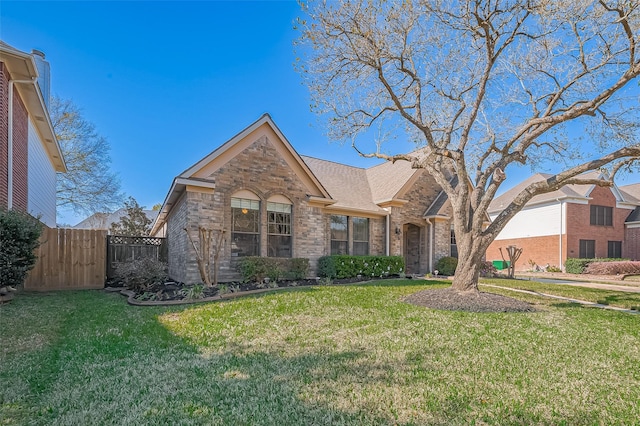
point(105, 220)
point(270, 201)
point(631, 244)
point(576, 221)
point(30, 154)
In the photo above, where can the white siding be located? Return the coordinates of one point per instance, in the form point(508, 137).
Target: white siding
point(535, 221)
point(41, 181)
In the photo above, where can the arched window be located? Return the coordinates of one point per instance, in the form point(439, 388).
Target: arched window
point(245, 224)
point(279, 226)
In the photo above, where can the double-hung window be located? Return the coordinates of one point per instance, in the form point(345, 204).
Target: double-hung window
point(614, 249)
point(245, 227)
point(279, 229)
point(587, 249)
point(339, 234)
point(360, 236)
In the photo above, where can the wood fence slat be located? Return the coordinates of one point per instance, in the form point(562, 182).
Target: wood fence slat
point(69, 259)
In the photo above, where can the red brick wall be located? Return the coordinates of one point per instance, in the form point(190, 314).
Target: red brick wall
point(540, 250)
point(579, 227)
point(20, 153)
point(631, 244)
point(4, 124)
point(20, 145)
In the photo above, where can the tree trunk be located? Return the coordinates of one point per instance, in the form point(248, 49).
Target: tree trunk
point(470, 258)
point(467, 275)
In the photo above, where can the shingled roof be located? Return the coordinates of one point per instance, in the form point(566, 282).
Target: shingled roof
point(347, 185)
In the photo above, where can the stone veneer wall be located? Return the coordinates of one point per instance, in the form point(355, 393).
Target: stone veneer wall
point(259, 169)
point(377, 236)
point(177, 240)
point(420, 197)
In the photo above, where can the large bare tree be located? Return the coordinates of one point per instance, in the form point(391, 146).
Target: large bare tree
point(480, 85)
point(89, 185)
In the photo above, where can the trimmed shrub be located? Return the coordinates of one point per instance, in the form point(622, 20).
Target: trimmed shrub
point(578, 266)
point(257, 268)
point(19, 237)
point(613, 268)
point(344, 266)
point(447, 266)
point(141, 274)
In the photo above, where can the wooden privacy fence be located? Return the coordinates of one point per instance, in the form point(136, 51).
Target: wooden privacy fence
point(123, 249)
point(71, 259)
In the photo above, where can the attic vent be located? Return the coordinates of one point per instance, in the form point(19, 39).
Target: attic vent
point(39, 118)
point(49, 140)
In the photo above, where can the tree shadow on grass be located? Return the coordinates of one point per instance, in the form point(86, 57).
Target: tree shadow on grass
point(626, 300)
point(111, 363)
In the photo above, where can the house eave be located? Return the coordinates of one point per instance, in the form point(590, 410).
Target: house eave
point(320, 201)
point(575, 200)
point(22, 68)
point(392, 203)
point(178, 187)
point(437, 217)
point(352, 210)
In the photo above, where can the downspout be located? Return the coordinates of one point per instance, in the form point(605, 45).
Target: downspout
point(560, 237)
point(388, 245)
point(431, 225)
point(10, 142)
point(388, 235)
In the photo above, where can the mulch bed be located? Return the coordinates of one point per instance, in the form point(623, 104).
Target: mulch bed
point(172, 293)
point(448, 299)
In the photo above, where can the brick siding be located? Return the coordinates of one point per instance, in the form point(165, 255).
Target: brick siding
point(579, 227)
point(545, 250)
point(540, 250)
point(631, 245)
point(4, 129)
point(20, 145)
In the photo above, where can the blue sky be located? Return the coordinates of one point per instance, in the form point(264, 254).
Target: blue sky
point(168, 82)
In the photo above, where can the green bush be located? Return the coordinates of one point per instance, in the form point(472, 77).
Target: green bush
point(141, 274)
point(344, 266)
point(19, 237)
point(577, 266)
point(447, 265)
point(256, 268)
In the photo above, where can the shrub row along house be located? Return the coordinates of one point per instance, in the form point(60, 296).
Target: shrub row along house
point(270, 201)
point(576, 221)
point(30, 154)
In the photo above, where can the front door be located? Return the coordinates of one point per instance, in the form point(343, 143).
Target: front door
point(412, 248)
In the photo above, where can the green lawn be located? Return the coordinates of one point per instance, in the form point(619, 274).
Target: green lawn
point(605, 297)
point(323, 356)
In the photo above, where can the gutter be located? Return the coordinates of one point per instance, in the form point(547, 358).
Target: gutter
point(10, 140)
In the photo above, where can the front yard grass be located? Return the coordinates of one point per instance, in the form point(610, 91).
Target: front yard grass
point(606, 297)
point(348, 355)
